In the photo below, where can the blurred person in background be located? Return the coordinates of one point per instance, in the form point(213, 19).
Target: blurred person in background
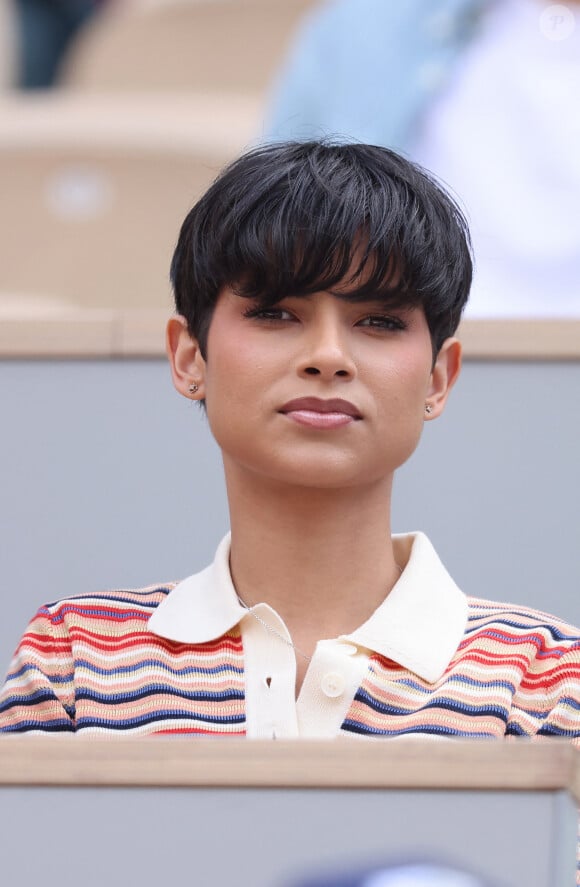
point(486, 94)
point(407, 874)
point(45, 29)
point(6, 46)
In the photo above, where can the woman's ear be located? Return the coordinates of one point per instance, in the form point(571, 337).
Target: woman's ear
point(443, 377)
point(185, 359)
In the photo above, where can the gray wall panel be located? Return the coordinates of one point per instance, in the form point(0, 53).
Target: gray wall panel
point(276, 837)
point(109, 478)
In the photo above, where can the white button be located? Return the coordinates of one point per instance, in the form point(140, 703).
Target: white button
point(332, 685)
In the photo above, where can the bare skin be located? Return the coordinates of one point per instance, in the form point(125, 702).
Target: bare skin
point(328, 555)
point(310, 507)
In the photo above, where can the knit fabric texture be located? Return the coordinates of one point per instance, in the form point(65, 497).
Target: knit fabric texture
point(89, 664)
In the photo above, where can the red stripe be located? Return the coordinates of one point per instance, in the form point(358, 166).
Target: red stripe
point(201, 732)
point(483, 657)
point(43, 644)
point(139, 639)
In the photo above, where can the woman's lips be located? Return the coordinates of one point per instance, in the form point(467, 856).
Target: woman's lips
point(318, 413)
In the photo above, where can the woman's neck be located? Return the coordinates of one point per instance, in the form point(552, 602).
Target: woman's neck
point(323, 559)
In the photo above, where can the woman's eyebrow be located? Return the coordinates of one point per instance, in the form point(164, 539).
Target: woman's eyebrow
point(394, 301)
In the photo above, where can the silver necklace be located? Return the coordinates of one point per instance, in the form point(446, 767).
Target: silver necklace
point(277, 633)
point(273, 630)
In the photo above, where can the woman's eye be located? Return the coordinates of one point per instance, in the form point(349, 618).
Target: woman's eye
point(271, 314)
point(382, 322)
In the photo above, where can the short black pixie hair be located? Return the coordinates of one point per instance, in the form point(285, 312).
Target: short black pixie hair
point(290, 218)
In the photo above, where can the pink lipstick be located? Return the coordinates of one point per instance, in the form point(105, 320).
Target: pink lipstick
point(315, 412)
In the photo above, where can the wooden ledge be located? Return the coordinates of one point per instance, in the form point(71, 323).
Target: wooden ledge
point(87, 333)
point(414, 764)
point(40, 329)
point(521, 339)
point(217, 125)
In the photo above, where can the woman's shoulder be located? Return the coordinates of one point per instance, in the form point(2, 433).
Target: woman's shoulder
point(114, 597)
point(520, 620)
point(120, 606)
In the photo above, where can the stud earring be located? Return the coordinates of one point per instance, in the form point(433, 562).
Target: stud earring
point(428, 409)
point(193, 388)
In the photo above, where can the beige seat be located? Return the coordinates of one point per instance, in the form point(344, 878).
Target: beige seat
point(185, 45)
point(94, 192)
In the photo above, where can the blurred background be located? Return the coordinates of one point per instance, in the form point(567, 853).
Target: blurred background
point(115, 115)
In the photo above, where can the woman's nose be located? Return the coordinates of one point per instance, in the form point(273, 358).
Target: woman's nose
point(327, 354)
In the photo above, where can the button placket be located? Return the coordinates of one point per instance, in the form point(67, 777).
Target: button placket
point(270, 665)
point(335, 673)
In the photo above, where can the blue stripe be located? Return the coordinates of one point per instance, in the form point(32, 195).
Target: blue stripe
point(456, 679)
point(529, 630)
point(153, 717)
point(60, 726)
point(156, 663)
point(114, 615)
point(551, 730)
point(567, 700)
point(159, 689)
point(105, 596)
point(543, 713)
point(352, 726)
point(474, 682)
point(442, 703)
point(54, 679)
point(45, 695)
point(515, 730)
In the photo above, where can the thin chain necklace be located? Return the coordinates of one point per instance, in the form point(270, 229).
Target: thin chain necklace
point(277, 633)
point(273, 630)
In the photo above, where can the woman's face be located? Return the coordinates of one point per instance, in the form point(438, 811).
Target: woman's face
point(317, 391)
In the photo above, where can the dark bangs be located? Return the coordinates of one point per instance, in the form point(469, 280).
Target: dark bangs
point(292, 219)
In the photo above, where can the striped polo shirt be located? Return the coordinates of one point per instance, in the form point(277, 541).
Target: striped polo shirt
point(188, 658)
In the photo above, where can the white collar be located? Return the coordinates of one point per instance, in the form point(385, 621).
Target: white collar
point(419, 625)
